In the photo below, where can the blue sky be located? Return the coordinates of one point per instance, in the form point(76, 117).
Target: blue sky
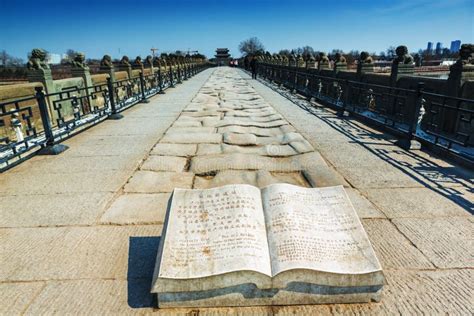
point(132, 27)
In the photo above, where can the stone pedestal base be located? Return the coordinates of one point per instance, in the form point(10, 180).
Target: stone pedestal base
point(53, 150)
point(115, 116)
point(408, 144)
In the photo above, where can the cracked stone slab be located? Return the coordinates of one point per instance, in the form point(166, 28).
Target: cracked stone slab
point(364, 208)
point(227, 122)
point(445, 241)
point(393, 249)
point(51, 253)
point(196, 138)
point(52, 209)
point(158, 182)
point(183, 150)
point(267, 150)
point(323, 176)
point(187, 123)
point(205, 164)
point(16, 297)
point(187, 130)
point(164, 163)
point(136, 208)
point(259, 179)
point(415, 202)
point(240, 139)
point(257, 131)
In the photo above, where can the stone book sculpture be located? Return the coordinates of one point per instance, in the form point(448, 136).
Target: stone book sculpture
point(238, 245)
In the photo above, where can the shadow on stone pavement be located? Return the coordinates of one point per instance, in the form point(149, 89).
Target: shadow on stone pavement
point(442, 180)
point(141, 263)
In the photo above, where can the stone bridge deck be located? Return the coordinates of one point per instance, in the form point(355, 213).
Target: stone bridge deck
point(79, 231)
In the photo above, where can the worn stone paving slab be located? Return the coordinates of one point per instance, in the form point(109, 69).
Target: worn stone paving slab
point(196, 138)
point(447, 242)
point(51, 210)
point(183, 150)
point(415, 202)
point(59, 253)
point(136, 208)
point(16, 297)
point(393, 249)
point(158, 182)
point(203, 164)
point(164, 163)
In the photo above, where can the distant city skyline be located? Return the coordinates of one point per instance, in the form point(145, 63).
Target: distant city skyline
point(133, 28)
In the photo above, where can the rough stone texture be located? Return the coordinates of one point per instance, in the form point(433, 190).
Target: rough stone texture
point(393, 249)
point(183, 150)
point(59, 253)
point(257, 178)
point(164, 163)
point(137, 209)
point(364, 207)
point(16, 297)
point(323, 176)
point(156, 182)
point(415, 202)
point(203, 164)
point(447, 242)
point(196, 138)
point(55, 209)
point(240, 139)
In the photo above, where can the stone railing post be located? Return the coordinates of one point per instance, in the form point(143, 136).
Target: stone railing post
point(402, 65)
point(113, 109)
point(50, 147)
point(142, 88)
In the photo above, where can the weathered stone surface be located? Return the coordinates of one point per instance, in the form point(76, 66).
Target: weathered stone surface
point(52, 253)
point(414, 202)
point(364, 207)
point(302, 146)
point(203, 164)
point(240, 139)
point(324, 176)
point(183, 150)
point(164, 163)
point(157, 182)
point(240, 122)
point(258, 131)
point(137, 208)
point(196, 138)
point(187, 130)
point(52, 209)
point(15, 297)
point(187, 123)
point(373, 177)
point(392, 248)
point(259, 179)
point(444, 241)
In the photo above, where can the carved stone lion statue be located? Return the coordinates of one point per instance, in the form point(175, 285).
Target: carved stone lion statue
point(149, 61)
point(106, 62)
point(365, 58)
point(125, 61)
point(138, 61)
point(323, 58)
point(79, 61)
point(339, 59)
point(37, 59)
point(466, 54)
point(402, 56)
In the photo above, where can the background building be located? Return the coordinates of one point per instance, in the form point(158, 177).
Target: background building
point(222, 57)
point(455, 46)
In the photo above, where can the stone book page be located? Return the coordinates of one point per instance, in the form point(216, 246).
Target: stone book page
point(213, 232)
point(316, 229)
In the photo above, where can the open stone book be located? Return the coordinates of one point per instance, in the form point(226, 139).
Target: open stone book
point(238, 245)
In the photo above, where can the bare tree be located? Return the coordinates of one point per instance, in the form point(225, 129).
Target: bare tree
point(4, 57)
point(251, 46)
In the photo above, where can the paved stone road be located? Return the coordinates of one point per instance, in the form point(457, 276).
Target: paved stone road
point(79, 231)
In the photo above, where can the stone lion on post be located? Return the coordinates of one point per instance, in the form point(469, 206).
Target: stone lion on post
point(79, 61)
point(365, 58)
point(106, 62)
point(37, 60)
point(402, 56)
point(125, 61)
